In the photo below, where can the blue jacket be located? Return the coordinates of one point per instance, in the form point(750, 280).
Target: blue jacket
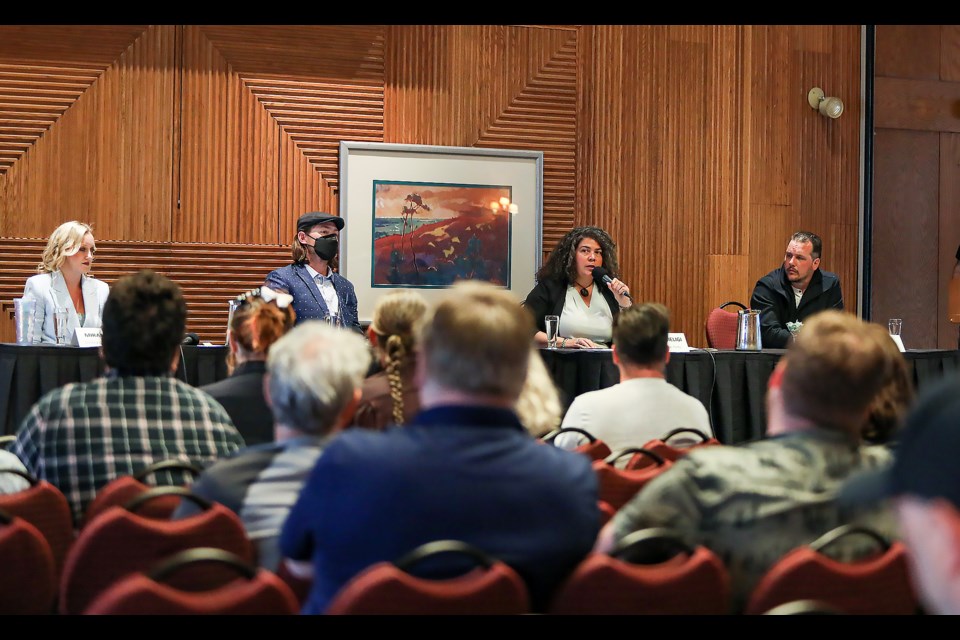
point(307, 301)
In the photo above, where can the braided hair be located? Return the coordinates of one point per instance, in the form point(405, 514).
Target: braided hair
point(395, 320)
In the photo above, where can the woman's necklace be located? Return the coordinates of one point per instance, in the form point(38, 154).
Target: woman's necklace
point(584, 290)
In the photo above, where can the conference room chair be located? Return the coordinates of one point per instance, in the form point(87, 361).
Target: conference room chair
point(669, 448)
point(606, 511)
point(721, 326)
point(120, 541)
point(29, 582)
point(254, 591)
point(803, 608)
point(592, 447)
point(878, 584)
point(122, 490)
point(44, 506)
point(617, 486)
point(650, 572)
point(490, 587)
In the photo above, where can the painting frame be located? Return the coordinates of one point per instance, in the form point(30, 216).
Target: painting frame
point(364, 164)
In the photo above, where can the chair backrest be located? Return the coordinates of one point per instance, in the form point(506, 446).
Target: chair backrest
point(617, 486)
point(721, 326)
point(652, 571)
point(388, 588)
point(122, 490)
point(29, 583)
point(606, 511)
point(255, 592)
point(120, 541)
point(594, 448)
point(44, 506)
point(668, 451)
point(878, 584)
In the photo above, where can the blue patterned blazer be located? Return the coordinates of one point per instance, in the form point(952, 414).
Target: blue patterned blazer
point(307, 301)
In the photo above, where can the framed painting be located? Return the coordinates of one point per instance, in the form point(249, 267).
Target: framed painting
point(423, 217)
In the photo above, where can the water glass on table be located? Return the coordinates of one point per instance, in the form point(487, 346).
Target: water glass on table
point(552, 327)
point(60, 324)
point(894, 325)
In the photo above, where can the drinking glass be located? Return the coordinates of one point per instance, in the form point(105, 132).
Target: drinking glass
point(60, 324)
point(552, 325)
point(894, 325)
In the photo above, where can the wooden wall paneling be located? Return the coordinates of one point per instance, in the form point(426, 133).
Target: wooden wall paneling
point(418, 79)
point(924, 105)
point(726, 278)
point(770, 230)
point(907, 51)
point(302, 189)
point(949, 232)
point(905, 233)
point(950, 52)
point(774, 100)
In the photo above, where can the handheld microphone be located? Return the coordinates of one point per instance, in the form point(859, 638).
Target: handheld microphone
point(191, 338)
point(601, 276)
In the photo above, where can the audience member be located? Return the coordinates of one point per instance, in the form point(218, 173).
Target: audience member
point(314, 378)
point(463, 469)
point(793, 292)
point(923, 485)
point(753, 503)
point(391, 395)
point(893, 401)
point(319, 291)
point(565, 288)
point(64, 281)
point(262, 318)
point(643, 406)
point(539, 407)
point(11, 482)
point(83, 435)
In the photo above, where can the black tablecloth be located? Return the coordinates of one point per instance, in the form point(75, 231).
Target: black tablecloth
point(27, 372)
point(732, 385)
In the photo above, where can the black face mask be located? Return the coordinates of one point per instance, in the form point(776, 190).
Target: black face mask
point(325, 248)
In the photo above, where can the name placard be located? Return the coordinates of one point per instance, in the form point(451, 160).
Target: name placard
point(899, 342)
point(87, 337)
point(677, 342)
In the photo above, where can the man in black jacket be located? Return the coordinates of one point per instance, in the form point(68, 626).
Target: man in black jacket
point(794, 291)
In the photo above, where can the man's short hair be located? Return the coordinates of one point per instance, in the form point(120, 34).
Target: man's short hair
point(143, 324)
point(834, 370)
point(477, 340)
point(812, 238)
point(314, 370)
point(640, 333)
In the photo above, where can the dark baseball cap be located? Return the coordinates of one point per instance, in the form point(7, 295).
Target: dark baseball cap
point(314, 218)
point(926, 453)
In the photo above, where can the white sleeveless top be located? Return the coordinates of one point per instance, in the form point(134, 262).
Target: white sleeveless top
point(578, 320)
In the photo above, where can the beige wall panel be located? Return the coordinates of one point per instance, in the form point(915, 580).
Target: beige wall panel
point(949, 231)
point(908, 51)
point(107, 159)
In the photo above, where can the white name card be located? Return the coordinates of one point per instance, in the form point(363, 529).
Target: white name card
point(86, 337)
point(899, 342)
point(677, 342)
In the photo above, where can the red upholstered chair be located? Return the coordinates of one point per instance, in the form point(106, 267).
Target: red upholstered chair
point(617, 486)
point(45, 507)
point(879, 584)
point(122, 490)
point(29, 582)
point(387, 588)
point(606, 511)
point(668, 451)
point(120, 541)
point(721, 326)
point(593, 448)
point(652, 571)
point(256, 591)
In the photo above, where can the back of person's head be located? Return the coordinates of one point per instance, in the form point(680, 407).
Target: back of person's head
point(143, 323)
point(256, 325)
point(396, 321)
point(538, 407)
point(64, 242)
point(640, 334)
point(812, 238)
point(314, 373)
point(476, 340)
point(834, 370)
point(894, 399)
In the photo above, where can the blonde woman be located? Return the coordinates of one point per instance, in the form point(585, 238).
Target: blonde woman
point(391, 395)
point(64, 281)
point(538, 406)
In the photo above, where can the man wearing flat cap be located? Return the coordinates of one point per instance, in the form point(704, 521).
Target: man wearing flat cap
point(319, 291)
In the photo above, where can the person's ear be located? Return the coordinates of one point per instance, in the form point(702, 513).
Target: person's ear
point(816, 263)
point(175, 361)
point(613, 354)
point(345, 419)
point(372, 336)
point(666, 358)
